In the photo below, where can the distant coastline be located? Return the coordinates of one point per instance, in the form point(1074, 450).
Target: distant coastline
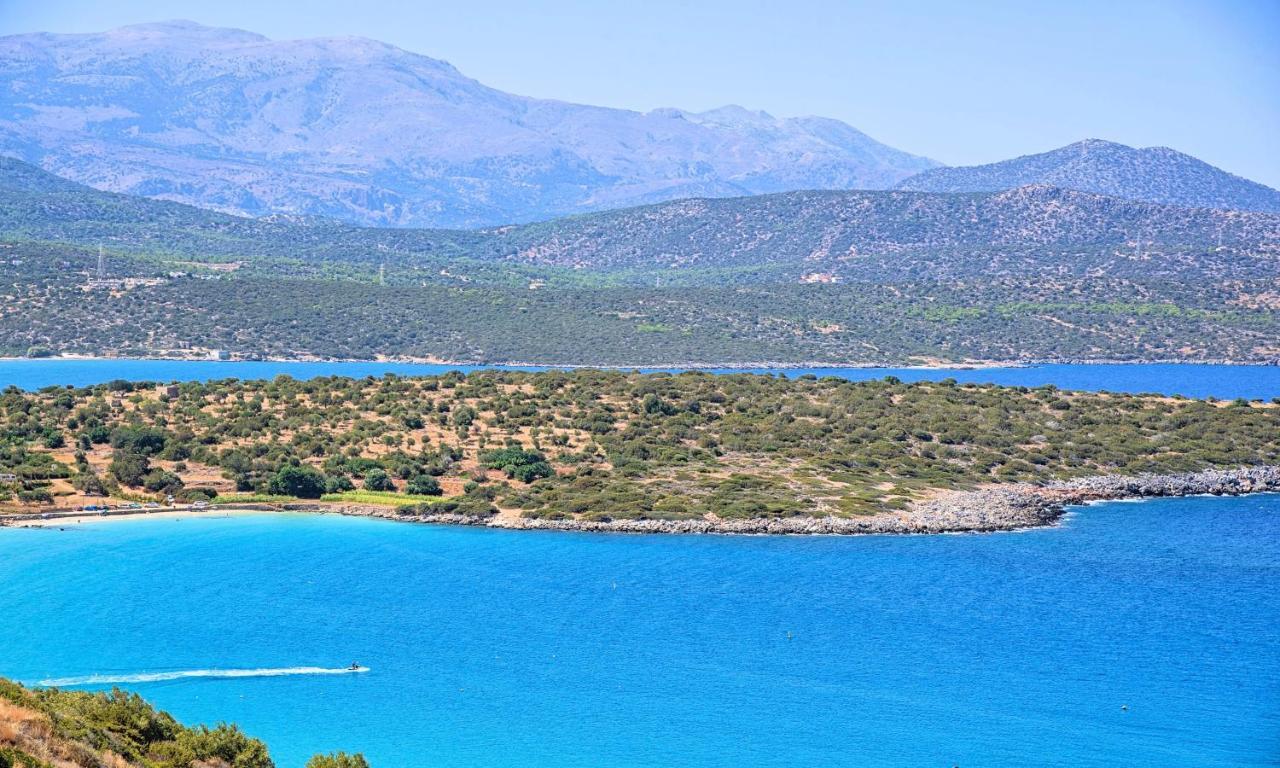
point(989, 510)
point(691, 366)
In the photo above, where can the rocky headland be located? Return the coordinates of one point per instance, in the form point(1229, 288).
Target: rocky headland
point(987, 510)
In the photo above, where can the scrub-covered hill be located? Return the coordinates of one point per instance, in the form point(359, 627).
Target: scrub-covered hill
point(1152, 174)
point(1035, 273)
point(593, 446)
point(48, 728)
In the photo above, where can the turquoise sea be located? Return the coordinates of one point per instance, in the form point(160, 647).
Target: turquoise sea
point(1136, 634)
point(492, 648)
point(1192, 380)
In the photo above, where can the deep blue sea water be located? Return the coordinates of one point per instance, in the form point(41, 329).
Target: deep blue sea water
point(491, 648)
point(1192, 380)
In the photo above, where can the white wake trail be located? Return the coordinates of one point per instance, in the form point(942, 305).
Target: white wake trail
point(187, 674)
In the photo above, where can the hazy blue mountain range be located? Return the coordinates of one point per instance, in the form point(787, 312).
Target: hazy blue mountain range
point(786, 237)
point(361, 131)
point(1153, 174)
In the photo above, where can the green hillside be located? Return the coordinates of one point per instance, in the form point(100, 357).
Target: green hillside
point(822, 277)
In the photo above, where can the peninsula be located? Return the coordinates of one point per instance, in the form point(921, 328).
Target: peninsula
point(614, 451)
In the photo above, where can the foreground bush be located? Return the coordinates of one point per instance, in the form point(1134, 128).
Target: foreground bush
point(121, 730)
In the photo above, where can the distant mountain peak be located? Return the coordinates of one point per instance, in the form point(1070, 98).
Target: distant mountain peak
point(1097, 144)
point(182, 28)
point(1151, 174)
point(734, 112)
point(361, 131)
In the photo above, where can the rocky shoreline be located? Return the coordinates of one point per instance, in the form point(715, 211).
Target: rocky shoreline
point(744, 366)
point(1000, 508)
point(995, 509)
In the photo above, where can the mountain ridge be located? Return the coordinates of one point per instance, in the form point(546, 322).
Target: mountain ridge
point(363, 131)
point(1150, 174)
point(845, 235)
point(830, 277)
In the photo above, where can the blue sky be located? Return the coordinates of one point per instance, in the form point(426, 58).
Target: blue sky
point(962, 82)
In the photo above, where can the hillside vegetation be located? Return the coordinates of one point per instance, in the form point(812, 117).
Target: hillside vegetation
point(866, 236)
point(603, 445)
point(894, 235)
point(1152, 174)
point(824, 324)
point(808, 277)
point(48, 728)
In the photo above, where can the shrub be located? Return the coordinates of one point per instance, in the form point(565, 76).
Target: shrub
point(525, 466)
point(129, 468)
point(464, 416)
point(223, 745)
point(527, 473)
point(471, 506)
point(188, 495)
point(36, 496)
point(377, 479)
point(89, 484)
point(338, 760)
point(423, 485)
point(97, 434)
point(338, 484)
point(158, 480)
point(302, 482)
point(145, 441)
